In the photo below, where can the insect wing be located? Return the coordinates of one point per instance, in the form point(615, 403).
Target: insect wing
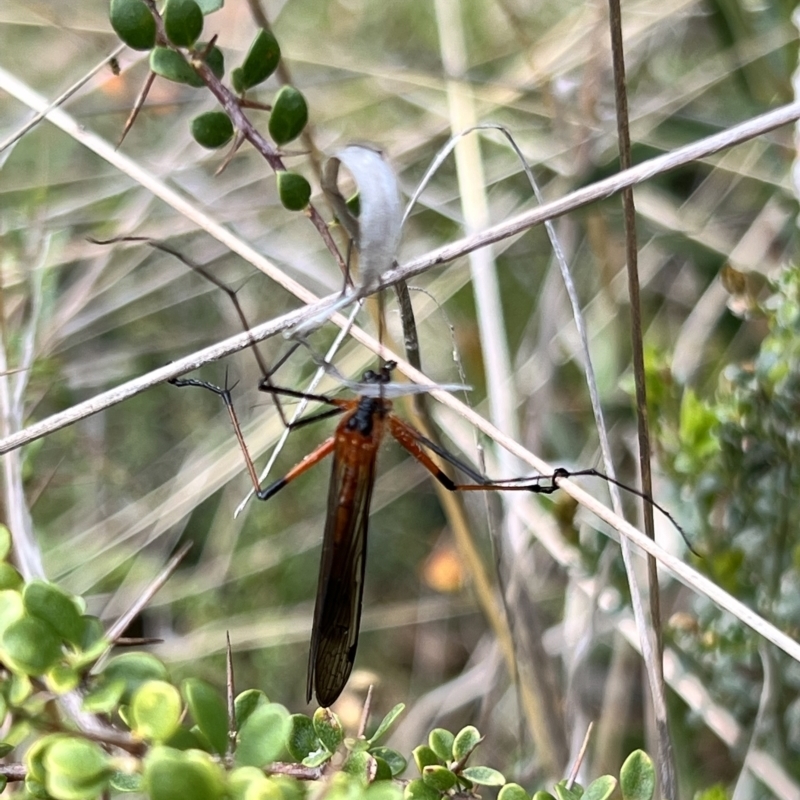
point(337, 613)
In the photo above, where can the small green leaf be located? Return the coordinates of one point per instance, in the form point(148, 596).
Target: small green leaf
point(263, 736)
point(133, 23)
point(294, 190)
point(513, 791)
point(30, 646)
point(484, 776)
point(439, 778)
point(328, 729)
point(3, 783)
point(34, 755)
point(259, 63)
point(637, 777)
point(174, 67)
point(55, 607)
point(387, 722)
point(246, 703)
point(441, 742)
point(289, 115)
point(20, 690)
point(210, 6)
point(541, 795)
point(9, 577)
point(134, 669)
point(175, 775)
point(155, 711)
point(104, 698)
point(418, 790)
point(11, 608)
point(215, 60)
point(425, 757)
point(212, 130)
point(562, 793)
point(302, 740)
point(397, 763)
point(466, 740)
point(75, 769)
point(62, 679)
point(208, 711)
point(183, 22)
point(383, 772)
point(5, 540)
point(361, 765)
point(5, 748)
point(601, 788)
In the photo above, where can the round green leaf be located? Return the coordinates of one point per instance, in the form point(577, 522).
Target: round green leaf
point(383, 772)
point(20, 690)
point(104, 698)
point(174, 67)
point(302, 740)
point(9, 577)
point(134, 669)
point(5, 542)
point(294, 190)
point(541, 795)
point(75, 769)
point(212, 129)
point(208, 711)
point(397, 763)
point(174, 775)
point(62, 678)
point(11, 608)
point(34, 756)
point(215, 60)
point(361, 765)
point(246, 703)
point(263, 736)
point(466, 740)
point(289, 115)
point(441, 742)
point(5, 747)
point(54, 606)
point(30, 646)
point(424, 757)
point(485, 776)
point(637, 777)
point(183, 22)
point(155, 711)
point(133, 23)
point(439, 778)
point(328, 729)
point(259, 63)
point(418, 790)
point(562, 793)
point(600, 789)
point(513, 791)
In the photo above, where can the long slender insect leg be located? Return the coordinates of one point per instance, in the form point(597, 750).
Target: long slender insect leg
point(312, 458)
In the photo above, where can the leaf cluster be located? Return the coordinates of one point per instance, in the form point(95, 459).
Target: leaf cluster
point(176, 53)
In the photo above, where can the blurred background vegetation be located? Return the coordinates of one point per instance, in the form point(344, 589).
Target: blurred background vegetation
point(112, 496)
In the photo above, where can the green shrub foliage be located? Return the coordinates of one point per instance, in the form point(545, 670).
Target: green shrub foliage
point(169, 742)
